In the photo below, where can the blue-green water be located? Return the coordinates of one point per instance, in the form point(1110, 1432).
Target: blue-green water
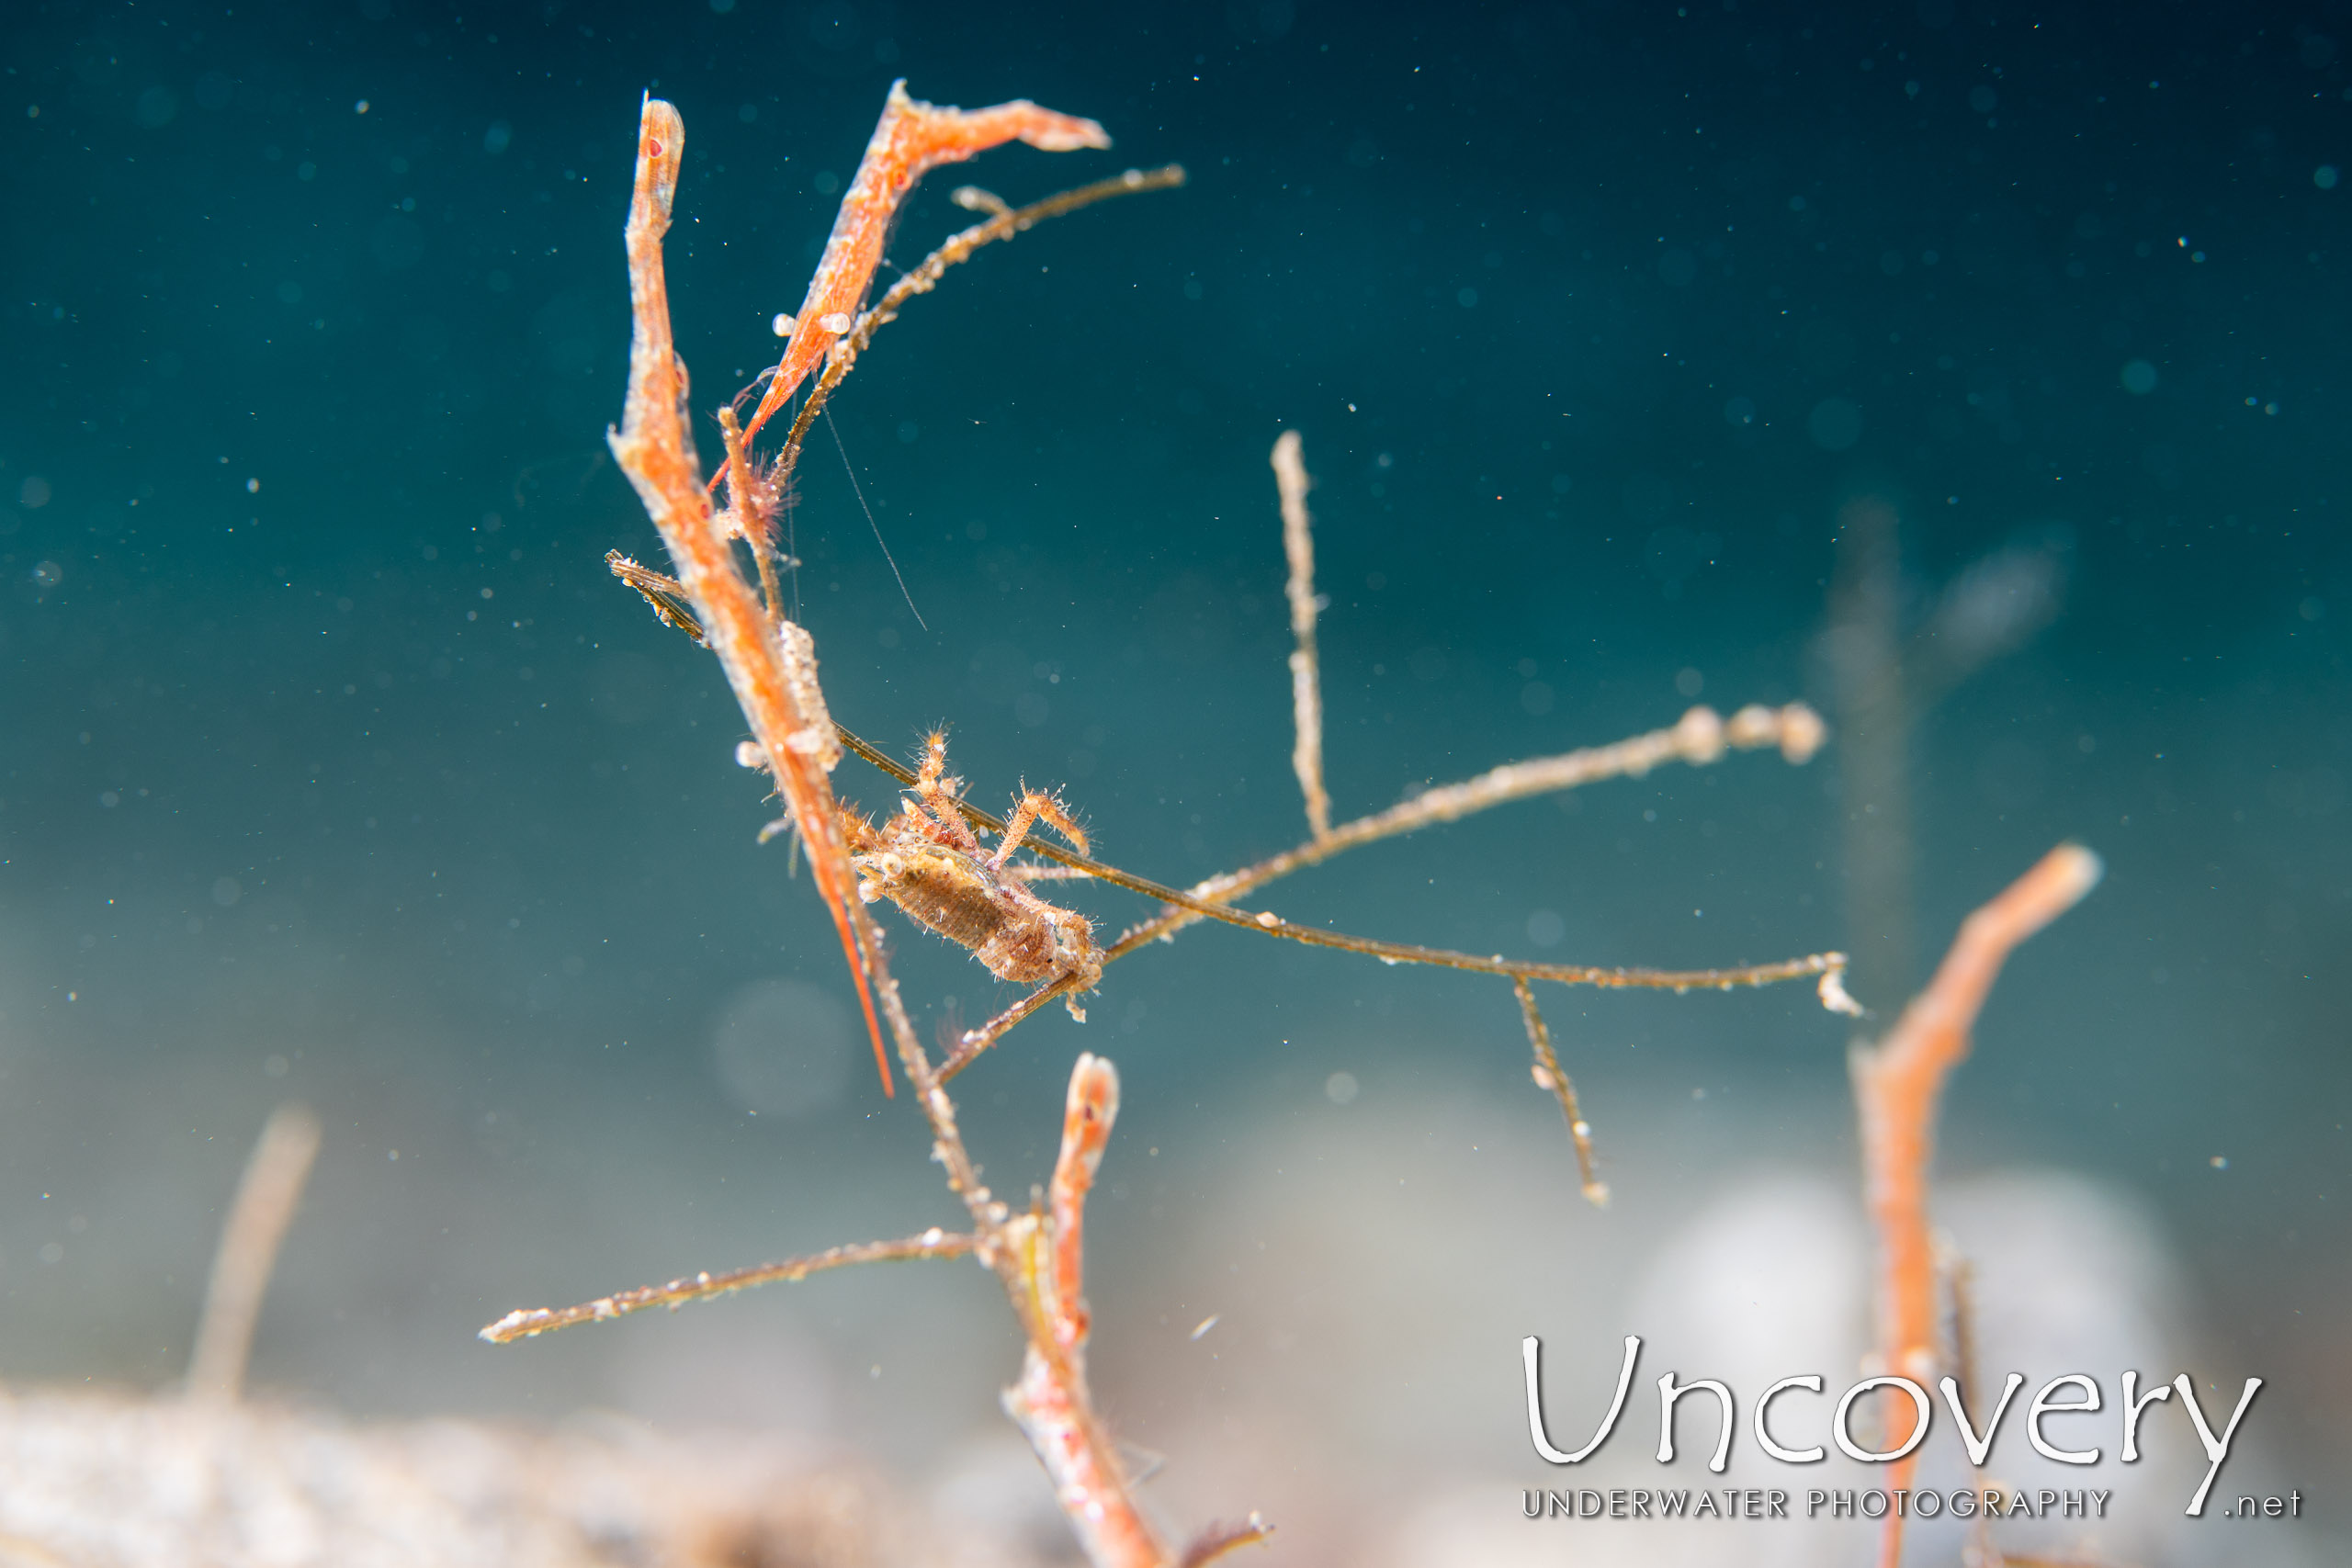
point(334, 765)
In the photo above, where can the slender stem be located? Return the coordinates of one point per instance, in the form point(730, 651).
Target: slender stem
point(843, 356)
point(1305, 675)
point(1699, 738)
point(1219, 1539)
point(1959, 1275)
point(525, 1323)
point(1548, 1074)
point(972, 1043)
point(267, 1195)
point(1898, 1086)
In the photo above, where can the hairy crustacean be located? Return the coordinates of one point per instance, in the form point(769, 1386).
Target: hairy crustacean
point(927, 861)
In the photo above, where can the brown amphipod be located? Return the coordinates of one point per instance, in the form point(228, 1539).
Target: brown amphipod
point(927, 861)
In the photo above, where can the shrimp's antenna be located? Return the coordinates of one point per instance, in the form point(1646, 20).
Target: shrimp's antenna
point(870, 522)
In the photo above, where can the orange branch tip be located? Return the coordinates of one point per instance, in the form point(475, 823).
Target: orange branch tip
point(1091, 1106)
point(912, 139)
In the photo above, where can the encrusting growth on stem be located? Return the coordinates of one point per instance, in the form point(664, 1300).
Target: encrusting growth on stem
point(1305, 676)
point(1898, 1084)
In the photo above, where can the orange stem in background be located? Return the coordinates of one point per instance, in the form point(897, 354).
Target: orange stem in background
point(912, 139)
point(1898, 1086)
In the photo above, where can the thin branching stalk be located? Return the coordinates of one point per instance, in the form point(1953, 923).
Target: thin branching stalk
point(959, 247)
point(1701, 737)
point(1549, 1074)
point(1898, 1086)
point(910, 140)
point(973, 1042)
point(528, 1321)
point(1219, 1539)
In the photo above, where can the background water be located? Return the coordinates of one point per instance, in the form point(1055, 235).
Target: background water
point(333, 766)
